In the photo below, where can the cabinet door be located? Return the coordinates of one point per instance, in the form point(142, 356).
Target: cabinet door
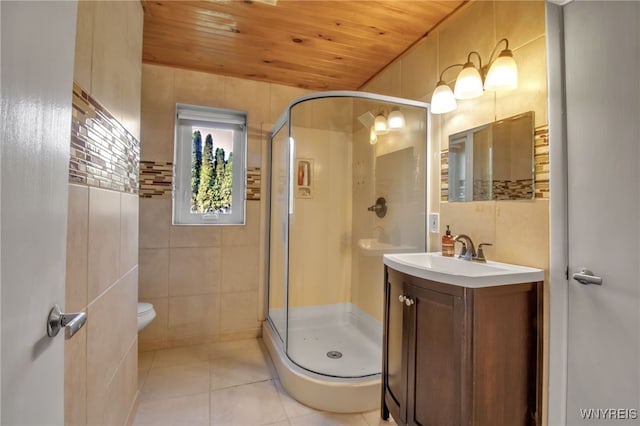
point(435, 360)
point(395, 343)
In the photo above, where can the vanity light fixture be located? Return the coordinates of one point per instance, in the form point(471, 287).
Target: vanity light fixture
point(380, 124)
point(373, 137)
point(500, 73)
point(396, 120)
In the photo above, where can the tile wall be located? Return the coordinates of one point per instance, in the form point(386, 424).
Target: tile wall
point(102, 239)
point(519, 230)
point(205, 282)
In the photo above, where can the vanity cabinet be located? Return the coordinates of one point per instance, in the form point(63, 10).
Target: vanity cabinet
point(455, 355)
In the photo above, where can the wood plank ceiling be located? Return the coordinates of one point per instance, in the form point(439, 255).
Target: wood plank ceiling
point(313, 44)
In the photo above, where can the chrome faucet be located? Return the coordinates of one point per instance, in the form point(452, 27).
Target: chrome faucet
point(468, 251)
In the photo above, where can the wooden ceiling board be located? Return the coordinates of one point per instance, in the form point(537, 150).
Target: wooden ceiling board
point(314, 44)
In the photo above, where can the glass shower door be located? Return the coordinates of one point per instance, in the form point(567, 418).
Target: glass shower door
point(279, 228)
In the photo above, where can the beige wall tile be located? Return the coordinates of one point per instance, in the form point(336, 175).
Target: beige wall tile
point(111, 331)
point(84, 45)
point(75, 379)
point(469, 114)
point(420, 69)
point(77, 244)
point(469, 29)
point(194, 271)
point(240, 269)
point(254, 144)
point(128, 232)
point(239, 311)
point(155, 221)
point(194, 316)
point(195, 236)
point(154, 273)
point(120, 396)
point(520, 21)
point(157, 135)
point(239, 93)
point(247, 235)
point(155, 335)
point(522, 233)
point(281, 97)
point(130, 96)
point(388, 82)
point(157, 88)
point(104, 240)
point(531, 94)
point(199, 88)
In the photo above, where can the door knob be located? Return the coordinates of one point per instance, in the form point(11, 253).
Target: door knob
point(402, 298)
point(586, 277)
point(408, 301)
point(71, 322)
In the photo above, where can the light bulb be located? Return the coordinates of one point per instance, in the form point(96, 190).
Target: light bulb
point(380, 125)
point(442, 100)
point(396, 120)
point(503, 72)
point(373, 138)
point(469, 83)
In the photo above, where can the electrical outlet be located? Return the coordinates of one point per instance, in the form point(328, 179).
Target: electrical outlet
point(434, 222)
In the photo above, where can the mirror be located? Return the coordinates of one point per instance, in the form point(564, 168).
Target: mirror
point(493, 161)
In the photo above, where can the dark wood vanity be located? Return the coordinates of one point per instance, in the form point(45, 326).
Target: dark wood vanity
point(455, 355)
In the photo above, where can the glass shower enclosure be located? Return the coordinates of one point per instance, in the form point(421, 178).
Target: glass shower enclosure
point(347, 183)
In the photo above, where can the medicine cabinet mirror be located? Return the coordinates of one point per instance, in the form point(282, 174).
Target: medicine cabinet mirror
point(493, 161)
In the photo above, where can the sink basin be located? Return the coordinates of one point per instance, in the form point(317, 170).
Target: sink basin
point(373, 247)
point(451, 270)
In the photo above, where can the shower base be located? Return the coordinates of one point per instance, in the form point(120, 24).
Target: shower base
point(328, 342)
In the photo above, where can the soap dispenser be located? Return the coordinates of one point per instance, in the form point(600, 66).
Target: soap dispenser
point(448, 245)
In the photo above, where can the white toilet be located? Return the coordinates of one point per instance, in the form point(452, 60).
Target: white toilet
point(146, 314)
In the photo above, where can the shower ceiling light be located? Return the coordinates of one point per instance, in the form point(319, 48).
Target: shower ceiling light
point(373, 137)
point(500, 73)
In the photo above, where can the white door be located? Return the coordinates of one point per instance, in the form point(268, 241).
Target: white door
point(602, 54)
point(38, 42)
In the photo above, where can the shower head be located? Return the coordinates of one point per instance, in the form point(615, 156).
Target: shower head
point(366, 119)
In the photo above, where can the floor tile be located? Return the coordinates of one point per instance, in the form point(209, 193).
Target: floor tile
point(145, 360)
point(249, 367)
point(292, 407)
point(192, 410)
point(182, 356)
point(233, 348)
point(280, 423)
point(162, 383)
point(252, 404)
point(373, 419)
point(328, 419)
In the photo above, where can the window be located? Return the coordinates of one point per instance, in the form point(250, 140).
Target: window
point(209, 167)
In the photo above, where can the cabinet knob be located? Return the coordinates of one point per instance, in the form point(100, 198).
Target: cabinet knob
point(402, 298)
point(408, 301)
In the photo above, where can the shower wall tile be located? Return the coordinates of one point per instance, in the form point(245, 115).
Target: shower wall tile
point(195, 236)
point(194, 271)
point(104, 240)
point(247, 235)
point(157, 134)
point(157, 91)
point(199, 88)
point(154, 273)
point(75, 379)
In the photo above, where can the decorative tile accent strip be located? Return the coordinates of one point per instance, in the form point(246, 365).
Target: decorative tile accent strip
point(155, 179)
point(507, 190)
point(254, 181)
point(103, 153)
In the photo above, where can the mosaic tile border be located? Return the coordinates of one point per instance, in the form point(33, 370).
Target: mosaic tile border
point(541, 167)
point(156, 180)
point(103, 153)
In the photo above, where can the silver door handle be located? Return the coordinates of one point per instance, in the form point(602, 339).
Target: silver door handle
point(71, 322)
point(586, 277)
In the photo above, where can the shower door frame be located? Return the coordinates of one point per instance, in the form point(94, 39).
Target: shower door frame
point(285, 119)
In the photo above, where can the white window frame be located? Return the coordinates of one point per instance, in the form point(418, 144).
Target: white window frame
point(186, 117)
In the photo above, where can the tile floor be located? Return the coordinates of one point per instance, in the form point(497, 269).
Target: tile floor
point(225, 383)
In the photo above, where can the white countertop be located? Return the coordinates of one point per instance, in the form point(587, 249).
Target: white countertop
point(451, 270)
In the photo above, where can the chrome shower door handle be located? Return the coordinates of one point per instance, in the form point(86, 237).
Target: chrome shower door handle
point(71, 322)
point(586, 277)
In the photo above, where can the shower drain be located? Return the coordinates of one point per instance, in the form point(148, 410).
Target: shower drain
point(334, 354)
